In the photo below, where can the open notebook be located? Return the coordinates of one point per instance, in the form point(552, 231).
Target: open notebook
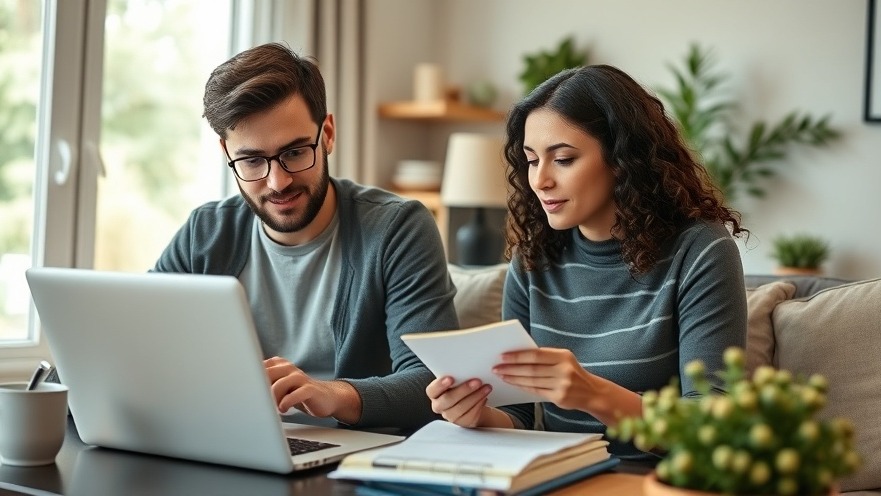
point(170, 364)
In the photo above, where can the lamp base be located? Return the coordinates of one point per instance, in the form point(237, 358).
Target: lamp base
point(477, 243)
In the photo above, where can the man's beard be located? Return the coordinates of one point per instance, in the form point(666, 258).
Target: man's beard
point(313, 205)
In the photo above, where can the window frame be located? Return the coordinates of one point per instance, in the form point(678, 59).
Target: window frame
point(67, 152)
point(64, 24)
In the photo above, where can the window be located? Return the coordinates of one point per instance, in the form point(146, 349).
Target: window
point(104, 151)
point(21, 45)
point(160, 159)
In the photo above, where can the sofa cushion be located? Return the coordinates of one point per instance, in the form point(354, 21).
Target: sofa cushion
point(804, 285)
point(760, 303)
point(478, 300)
point(837, 333)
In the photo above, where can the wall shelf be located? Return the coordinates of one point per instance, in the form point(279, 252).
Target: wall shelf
point(441, 110)
point(435, 112)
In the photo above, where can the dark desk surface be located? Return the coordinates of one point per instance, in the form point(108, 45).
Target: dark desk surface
point(80, 469)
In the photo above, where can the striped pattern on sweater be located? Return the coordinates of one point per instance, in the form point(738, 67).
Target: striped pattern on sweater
point(638, 332)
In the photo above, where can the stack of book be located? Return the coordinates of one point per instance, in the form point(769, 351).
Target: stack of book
point(443, 458)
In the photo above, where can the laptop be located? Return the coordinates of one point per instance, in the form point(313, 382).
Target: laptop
point(170, 364)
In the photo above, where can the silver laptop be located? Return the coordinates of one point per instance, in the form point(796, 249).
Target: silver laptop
point(170, 364)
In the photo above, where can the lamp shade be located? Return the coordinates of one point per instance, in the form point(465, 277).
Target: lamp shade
point(474, 171)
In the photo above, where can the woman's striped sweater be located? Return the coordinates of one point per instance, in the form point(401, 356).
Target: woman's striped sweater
point(638, 332)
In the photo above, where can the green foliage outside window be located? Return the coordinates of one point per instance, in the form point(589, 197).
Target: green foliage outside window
point(19, 68)
point(142, 82)
point(151, 108)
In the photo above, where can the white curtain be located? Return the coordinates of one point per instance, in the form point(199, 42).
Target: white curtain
point(331, 31)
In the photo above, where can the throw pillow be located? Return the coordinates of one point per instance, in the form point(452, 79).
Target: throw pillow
point(478, 300)
point(804, 285)
point(837, 333)
point(760, 303)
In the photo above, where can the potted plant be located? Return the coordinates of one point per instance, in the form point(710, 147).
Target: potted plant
point(737, 165)
point(541, 65)
point(799, 254)
point(761, 438)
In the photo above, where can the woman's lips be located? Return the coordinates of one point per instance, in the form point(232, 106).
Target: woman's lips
point(552, 206)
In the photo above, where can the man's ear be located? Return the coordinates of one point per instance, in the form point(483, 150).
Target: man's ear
point(329, 133)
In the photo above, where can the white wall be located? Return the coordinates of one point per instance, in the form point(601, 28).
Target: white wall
point(782, 55)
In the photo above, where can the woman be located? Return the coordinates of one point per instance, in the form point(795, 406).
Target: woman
point(623, 267)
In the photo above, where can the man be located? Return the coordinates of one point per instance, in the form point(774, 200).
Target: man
point(335, 272)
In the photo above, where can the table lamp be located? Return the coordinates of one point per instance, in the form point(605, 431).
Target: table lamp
point(474, 177)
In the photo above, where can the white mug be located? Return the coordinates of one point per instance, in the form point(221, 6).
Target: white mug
point(32, 423)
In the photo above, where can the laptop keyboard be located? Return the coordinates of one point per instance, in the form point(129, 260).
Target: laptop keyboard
point(300, 446)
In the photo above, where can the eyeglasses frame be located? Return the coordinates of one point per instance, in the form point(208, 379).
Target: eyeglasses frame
point(277, 157)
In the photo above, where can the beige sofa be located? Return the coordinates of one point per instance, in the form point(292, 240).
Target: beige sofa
point(803, 324)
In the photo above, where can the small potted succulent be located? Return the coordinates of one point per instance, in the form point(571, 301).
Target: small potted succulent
point(760, 438)
point(799, 254)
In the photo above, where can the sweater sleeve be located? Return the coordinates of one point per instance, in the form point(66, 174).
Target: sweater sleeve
point(214, 240)
point(712, 307)
point(176, 256)
point(418, 298)
point(516, 306)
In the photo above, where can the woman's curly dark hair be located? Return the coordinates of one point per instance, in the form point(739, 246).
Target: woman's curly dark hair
point(659, 186)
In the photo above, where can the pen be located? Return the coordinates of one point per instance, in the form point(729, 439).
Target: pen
point(42, 370)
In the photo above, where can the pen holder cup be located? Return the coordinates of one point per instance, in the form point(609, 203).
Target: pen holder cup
point(32, 423)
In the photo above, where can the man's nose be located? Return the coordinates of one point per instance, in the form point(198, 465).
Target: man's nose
point(278, 178)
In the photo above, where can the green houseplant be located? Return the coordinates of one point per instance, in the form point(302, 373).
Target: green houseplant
point(799, 253)
point(761, 438)
point(705, 116)
point(541, 65)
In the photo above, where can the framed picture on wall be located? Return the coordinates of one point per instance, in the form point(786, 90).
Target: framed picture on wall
point(873, 64)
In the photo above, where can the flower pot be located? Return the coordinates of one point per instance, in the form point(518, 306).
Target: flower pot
point(651, 486)
point(797, 271)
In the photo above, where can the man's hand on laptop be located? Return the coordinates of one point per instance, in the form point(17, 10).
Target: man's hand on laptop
point(293, 388)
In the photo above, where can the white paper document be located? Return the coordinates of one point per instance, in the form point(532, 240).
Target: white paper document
point(471, 353)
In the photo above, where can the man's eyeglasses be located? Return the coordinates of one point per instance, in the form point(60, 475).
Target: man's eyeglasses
point(297, 159)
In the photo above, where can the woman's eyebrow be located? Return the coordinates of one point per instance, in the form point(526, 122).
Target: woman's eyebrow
point(551, 148)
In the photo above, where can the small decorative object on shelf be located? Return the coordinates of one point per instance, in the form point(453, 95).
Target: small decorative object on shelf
point(428, 83)
point(799, 254)
point(482, 94)
point(761, 438)
point(417, 175)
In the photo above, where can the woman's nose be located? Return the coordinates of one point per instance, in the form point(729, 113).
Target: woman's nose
point(541, 177)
